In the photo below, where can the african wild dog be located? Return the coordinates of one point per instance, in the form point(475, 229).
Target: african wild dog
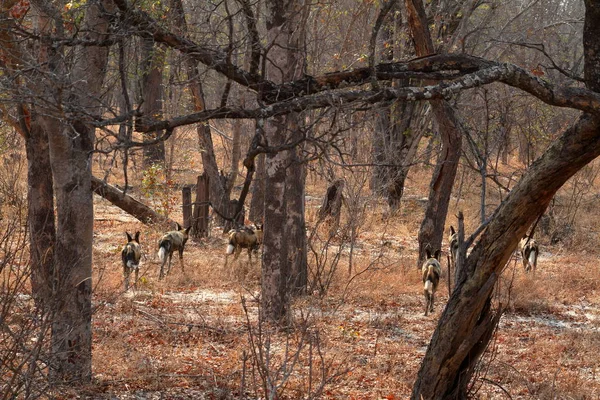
point(245, 237)
point(131, 255)
point(432, 271)
point(529, 253)
point(453, 244)
point(172, 241)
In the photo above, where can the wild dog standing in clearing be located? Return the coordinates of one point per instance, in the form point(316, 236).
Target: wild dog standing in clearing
point(245, 237)
point(453, 244)
point(432, 271)
point(529, 253)
point(172, 241)
point(131, 255)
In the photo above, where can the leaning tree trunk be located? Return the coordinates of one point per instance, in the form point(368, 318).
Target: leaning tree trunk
point(440, 188)
point(432, 228)
point(465, 327)
point(128, 204)
point(466, 324)
point(218, 196)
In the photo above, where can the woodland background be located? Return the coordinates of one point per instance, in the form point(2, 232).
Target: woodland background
point(276, 102)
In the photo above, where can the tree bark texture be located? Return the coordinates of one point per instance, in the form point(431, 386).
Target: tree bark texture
point(284, 246)
point(152, 97)
point(395, 143)
point(431, 231)
point(257, 203)
point(432, 228)
point(40, 208)
point(395, 147)
point(71, 143)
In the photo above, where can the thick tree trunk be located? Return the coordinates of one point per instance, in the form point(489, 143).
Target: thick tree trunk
point(71, 158)
point(465, 326)
point(275, 267)
point(71, 326)
point(284, 206)
point(295, 231)
point(40, 208)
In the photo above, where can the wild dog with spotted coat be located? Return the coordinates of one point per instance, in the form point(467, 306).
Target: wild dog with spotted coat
point(245, 237)
point(529, 253)
point(170, 242)
point(453, 244)
point(131, 256)
point(432, 270)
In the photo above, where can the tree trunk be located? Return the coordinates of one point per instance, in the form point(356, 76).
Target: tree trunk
point(440, 188)
point(275, 268)
point(466, 325)
point(152, 97)
point(71, 327)
point(395, 143)
point(218, 197)
point(71, 148)
point(257, 203)
point(284, 215)
point(295, 232)
point(40, 208)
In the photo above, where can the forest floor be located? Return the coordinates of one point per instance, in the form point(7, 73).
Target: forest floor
point(195, 335)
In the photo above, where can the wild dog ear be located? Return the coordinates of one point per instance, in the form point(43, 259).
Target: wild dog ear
point(179, 228)
point(436, 255)
point(129, 239)
point(428, 253)
point(452, 231)
point(137, 236)
point(187, 230)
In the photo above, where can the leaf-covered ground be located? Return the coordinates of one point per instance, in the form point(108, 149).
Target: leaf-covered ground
point(195, 334)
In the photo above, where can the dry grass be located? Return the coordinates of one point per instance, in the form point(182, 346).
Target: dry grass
point(188, 336)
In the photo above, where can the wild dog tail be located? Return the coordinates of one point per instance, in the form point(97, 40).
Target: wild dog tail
point(428, 286)
point(163, 249)
point(232, 241)
point(533, 256)
point(429, 282)
point(431, 278)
